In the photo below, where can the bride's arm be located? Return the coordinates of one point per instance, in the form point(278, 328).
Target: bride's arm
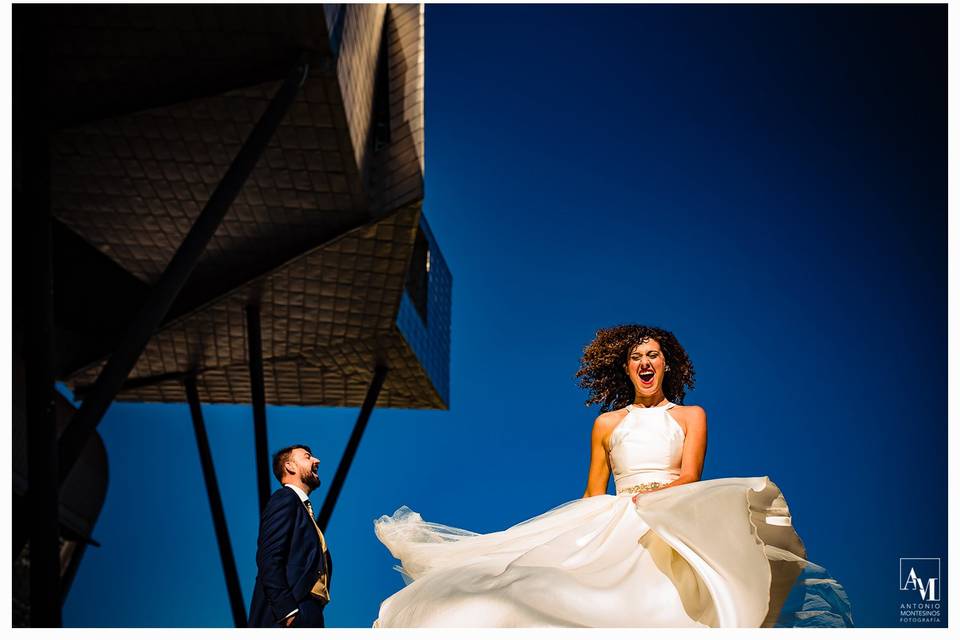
point(599, 474)
point(694, 448)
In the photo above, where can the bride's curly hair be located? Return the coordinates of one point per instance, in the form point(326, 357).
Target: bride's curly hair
point(601, 367)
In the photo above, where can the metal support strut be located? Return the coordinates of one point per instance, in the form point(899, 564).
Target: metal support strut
point(258, 400)
point(216, 507)
point(379, 374)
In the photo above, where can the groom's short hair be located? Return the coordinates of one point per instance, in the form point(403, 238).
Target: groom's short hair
point(281, 457)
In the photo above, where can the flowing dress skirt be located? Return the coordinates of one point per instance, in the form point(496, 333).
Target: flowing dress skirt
point(715, 553)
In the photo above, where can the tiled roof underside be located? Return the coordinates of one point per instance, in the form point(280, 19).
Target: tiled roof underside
point(132, 181)
point(326, 317)
point(132, 186)
point(338, 377)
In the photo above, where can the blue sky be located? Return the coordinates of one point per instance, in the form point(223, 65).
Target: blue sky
point(769, 183)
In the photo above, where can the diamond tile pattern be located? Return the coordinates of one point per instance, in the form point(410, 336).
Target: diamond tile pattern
point(357, 69)
point(396, 174)
point(133, 185)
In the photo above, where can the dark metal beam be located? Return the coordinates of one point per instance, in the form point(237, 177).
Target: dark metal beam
point(32, 144)
point(216, 507)
point(379, 375)
point(161, 297)
point(43, 498)
point(259, 402)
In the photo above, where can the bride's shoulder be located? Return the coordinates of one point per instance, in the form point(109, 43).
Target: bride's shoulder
point(604, 425)
point(606, 421)
point(690, 415)
point(692, 410)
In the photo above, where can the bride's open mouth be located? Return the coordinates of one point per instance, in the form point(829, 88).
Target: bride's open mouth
point(646, 377)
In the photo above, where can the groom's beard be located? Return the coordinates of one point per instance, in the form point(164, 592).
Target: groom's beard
point(310, 480)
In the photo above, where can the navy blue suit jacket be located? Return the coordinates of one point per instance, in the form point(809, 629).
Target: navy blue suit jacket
point(289, 561)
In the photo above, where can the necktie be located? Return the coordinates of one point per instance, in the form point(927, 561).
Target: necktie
point(323, 542)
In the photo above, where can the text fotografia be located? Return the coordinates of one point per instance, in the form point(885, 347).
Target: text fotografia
point(920, 613)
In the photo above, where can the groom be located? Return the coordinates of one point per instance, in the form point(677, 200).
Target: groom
point(293, 563)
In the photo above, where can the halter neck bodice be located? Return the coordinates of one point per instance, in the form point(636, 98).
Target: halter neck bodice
point(646, 446)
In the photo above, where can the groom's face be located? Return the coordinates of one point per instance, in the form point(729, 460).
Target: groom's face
point(307, 467)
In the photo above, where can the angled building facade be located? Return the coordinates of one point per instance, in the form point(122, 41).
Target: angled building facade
point(230, 202)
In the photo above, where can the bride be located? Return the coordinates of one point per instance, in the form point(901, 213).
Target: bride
point(668, 550)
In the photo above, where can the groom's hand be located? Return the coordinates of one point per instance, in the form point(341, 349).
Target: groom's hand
point(289, 621)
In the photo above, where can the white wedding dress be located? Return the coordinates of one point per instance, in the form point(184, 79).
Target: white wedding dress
point(714, 553)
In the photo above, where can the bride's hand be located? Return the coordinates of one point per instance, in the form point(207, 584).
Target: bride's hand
point(640, 493)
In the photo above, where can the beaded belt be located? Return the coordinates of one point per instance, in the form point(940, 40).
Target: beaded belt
point(637, 488)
